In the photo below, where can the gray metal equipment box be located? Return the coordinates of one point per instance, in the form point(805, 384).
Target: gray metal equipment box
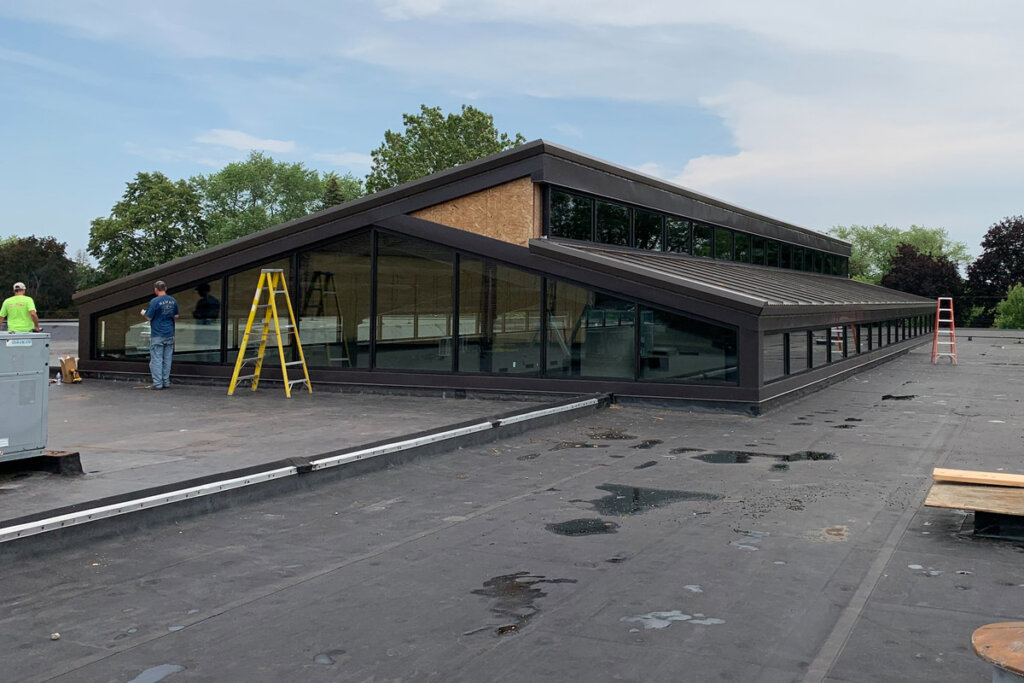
point(24, 394)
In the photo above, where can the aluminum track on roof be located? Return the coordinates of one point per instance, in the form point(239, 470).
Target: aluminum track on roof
point(771, 286)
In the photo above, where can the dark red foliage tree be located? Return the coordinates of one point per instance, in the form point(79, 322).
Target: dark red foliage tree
point(1000, 266)
point(922, 274)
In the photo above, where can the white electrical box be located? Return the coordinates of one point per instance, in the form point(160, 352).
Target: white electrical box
point(24, 394)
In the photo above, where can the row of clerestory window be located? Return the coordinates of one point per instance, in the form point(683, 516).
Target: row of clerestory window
point(589, 219)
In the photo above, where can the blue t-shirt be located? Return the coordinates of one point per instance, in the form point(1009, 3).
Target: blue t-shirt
point(161, 312)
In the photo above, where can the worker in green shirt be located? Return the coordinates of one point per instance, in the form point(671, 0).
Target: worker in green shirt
point(19, 311)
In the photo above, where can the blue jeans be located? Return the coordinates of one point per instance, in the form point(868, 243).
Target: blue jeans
point(161, 350)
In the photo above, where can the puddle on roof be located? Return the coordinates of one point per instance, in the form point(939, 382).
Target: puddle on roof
point(630, 500)
point(647, 443)
point(583, 527)
point(898, 397)
point(643, 466)
point(741, 457)
point(514, 599)
point(677, 451)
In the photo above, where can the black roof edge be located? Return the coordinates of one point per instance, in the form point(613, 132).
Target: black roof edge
point(377, 204)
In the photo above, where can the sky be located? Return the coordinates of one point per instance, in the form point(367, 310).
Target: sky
point(822, 113)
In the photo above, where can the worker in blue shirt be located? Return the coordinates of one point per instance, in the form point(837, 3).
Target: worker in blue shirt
point(161, 314)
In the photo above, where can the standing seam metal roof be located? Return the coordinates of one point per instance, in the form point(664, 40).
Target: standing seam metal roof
point(769, 286)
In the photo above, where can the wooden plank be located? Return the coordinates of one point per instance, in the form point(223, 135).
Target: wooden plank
point(999, 499)
point(975, 477)
point(1001, 644)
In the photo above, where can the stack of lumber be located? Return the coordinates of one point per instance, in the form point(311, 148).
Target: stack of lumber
point(994, 492)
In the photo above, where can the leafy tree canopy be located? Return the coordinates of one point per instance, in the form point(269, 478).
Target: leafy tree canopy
point(1010, 311)
point(340, 189)
point(915, 272)
point(874, 246)
point(248, 196)
point(156, 220)
point(432, 142)
point(42, 264)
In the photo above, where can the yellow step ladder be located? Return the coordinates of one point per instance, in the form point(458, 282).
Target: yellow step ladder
point(944, 334)
point(272, 281)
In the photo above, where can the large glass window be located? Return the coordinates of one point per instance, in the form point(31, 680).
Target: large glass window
point(741, 248)
point(647, 230)
point(757, 254)
point(571, 216)
point(123, 334)
point(798, 258)
point(798, 359)
point(703, 240)
point(773, 359)
point(675, 347)
point(499, 319)
point(819, 349)
point(197, 330)
point(677, 235)
point(864, 338)
point(414, 305)
point(771, 253)
point(612, 224)
point(785, 256)
point(590, 334)
point(334, 304)
point(723, 244)
point(241, 290)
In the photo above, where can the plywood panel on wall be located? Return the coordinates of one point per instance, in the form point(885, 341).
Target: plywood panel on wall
point(509, 212)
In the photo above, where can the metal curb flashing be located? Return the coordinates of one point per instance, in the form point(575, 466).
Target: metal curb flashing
point(36, 527)
point(336, 460)
point(546, 411)
point(84, 516)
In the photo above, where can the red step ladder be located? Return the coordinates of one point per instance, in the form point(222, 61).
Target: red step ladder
point(944, 334)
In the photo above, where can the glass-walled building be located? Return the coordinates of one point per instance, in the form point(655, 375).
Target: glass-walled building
point(535, 270)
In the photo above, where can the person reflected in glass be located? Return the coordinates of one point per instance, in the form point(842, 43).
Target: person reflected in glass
point(207, 310)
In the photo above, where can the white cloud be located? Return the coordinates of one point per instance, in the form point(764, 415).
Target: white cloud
point(839, 112)
point(236, 139)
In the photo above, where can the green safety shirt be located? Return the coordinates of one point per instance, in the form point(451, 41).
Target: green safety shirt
point(16, 310)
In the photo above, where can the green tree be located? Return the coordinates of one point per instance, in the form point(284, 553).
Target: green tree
point(1010, 311)
point(874, 247)
point(157, 220)
point(432, 142)
point(340, 189)
point(86, 274)
point(248, 196)
point(43, 265)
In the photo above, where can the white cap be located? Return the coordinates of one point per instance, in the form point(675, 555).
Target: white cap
point(18, 286)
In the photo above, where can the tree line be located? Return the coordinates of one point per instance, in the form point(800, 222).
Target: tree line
point(926, 262)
